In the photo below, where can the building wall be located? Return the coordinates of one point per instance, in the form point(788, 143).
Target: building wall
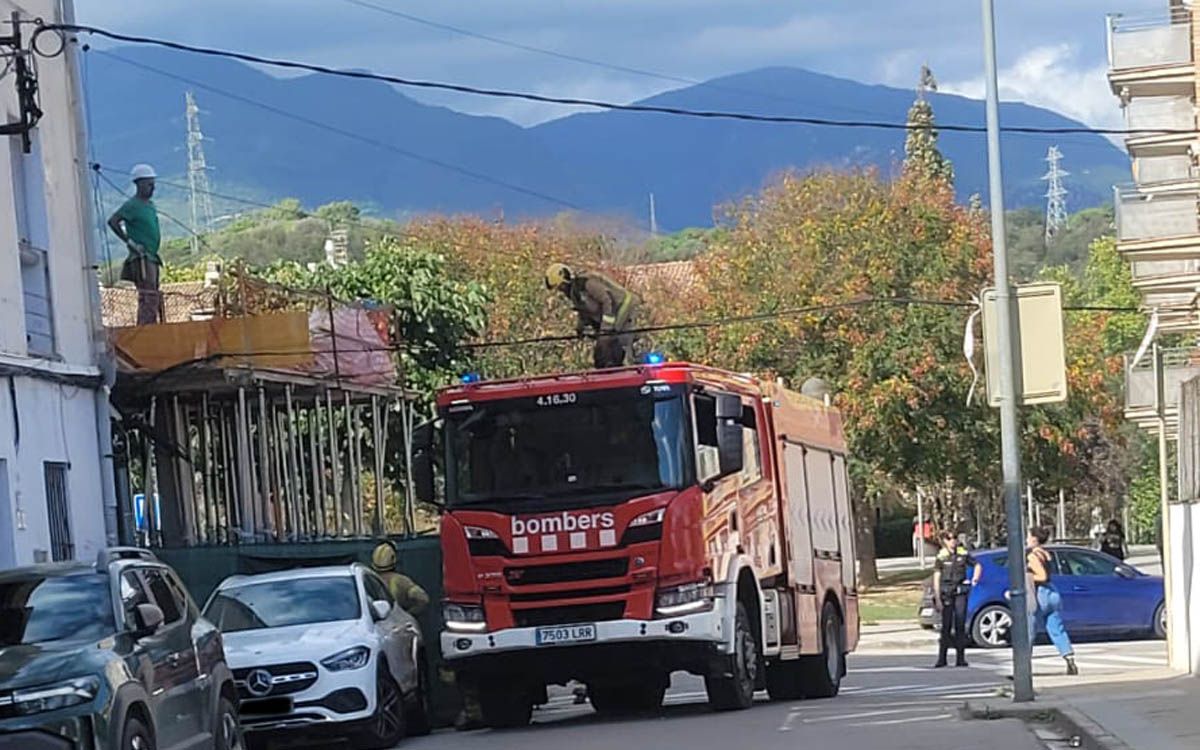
point(48, 326)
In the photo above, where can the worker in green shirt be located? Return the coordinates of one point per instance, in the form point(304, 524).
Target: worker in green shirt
point(136, 224)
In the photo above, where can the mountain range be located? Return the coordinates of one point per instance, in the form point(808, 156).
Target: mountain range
point(320, 139)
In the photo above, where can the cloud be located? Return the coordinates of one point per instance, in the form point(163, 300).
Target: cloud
point(1053, 76)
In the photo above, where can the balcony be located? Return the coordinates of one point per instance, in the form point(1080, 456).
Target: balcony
point(1163, 212)
point(1149, 272)
point(1149, 41)
point(1150, 54)
point(1141, 387)
point(1174, 116)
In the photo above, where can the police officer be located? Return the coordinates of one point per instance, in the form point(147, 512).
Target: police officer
point(408, 595)
point(951, 589)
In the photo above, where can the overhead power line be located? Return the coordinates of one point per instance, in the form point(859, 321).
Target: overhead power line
point(573, 101)
point(354, 135)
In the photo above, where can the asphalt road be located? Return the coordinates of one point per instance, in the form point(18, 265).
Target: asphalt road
point(888, 702)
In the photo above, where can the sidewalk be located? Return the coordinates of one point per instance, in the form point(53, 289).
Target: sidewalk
point(896, 635)
point(1143, 709)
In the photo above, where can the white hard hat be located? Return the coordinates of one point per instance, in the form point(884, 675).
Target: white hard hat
point(143, 172)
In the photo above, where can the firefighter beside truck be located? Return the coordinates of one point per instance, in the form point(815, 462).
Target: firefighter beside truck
point(615, 526)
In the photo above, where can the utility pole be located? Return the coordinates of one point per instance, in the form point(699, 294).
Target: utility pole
point(1056, 194)
point(653, 218)
point(1010, 447)
point(200, 197)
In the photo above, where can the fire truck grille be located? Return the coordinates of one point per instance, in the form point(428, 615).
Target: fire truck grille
point(567, 572)
point(526, 618)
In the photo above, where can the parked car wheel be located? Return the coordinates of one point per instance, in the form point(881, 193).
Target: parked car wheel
point(1160, 621)
point(227, 729)
point(136, 736)
point(735, 691)
point(386, 727)
point(991, 626)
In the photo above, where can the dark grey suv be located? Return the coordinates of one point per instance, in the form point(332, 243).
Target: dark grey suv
point(110, 656)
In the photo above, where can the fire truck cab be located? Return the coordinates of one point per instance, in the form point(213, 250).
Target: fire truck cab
point(615, 526)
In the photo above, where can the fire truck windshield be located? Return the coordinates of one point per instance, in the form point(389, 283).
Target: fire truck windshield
point(570, 448)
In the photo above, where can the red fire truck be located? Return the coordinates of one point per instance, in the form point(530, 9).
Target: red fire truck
point(615, 526)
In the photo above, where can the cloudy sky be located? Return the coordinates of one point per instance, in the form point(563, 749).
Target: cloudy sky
point(1052, 52)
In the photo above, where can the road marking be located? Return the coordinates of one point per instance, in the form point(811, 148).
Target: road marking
point(893, 722)
point(865, 714)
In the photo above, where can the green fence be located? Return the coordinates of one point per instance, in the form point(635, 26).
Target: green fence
point(202, 568)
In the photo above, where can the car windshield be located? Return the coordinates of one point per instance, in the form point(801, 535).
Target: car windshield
point(40, 609)
point(278, 604)
point(571, 444)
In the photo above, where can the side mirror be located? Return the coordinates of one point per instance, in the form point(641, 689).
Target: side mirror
point(380, 609)
point(729, 433)
point(422, 463)
point(149, 619)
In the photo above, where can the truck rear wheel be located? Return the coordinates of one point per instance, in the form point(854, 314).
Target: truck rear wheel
point(623, 698)
point(505, 706)
point(822, 675)
point(733, 689)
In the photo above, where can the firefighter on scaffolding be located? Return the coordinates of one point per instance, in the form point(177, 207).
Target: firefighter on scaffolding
point(604, 307)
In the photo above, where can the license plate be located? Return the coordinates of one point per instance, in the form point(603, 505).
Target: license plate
point(927, 612)
point(265, 707)
point(565, 634)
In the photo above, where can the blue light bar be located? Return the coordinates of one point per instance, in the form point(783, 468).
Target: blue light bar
point(654, 358)
point(471, 377)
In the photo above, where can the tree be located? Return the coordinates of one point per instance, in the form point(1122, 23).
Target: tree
point(921, 154)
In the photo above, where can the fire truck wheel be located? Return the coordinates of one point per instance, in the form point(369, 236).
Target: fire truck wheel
point(505, 706)
point(823, 674)
point(621, 698)
point(733, 689)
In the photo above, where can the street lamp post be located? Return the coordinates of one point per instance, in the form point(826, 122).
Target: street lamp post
point(1009, 444)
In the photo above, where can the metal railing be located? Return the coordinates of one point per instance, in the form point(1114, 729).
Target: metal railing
point(1179, 365)
point(1147, 41)
point(1167, 211)
point(1160, 113)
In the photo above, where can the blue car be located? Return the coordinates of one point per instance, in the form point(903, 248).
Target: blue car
point(1101, 595)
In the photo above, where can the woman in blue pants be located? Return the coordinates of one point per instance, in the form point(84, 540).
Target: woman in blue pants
point(1049, 601)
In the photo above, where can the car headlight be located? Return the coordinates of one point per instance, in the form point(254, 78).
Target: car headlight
point(53, 697)
point(464, 618)
point(478, 532)
point(685, 599)
point(351, 658)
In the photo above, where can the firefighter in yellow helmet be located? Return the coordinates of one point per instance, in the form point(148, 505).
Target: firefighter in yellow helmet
point(408, 595)
point(602, 305)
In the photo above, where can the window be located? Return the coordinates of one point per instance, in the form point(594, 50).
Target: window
point(163, 595)
point(376, 589)
point(751, 448)
point(1076, 563)
point(58, 512)
point(33, 242)
point(706, 419)
point(280, 603)
point(40, 609)
point(133, 593)
point(180, 594)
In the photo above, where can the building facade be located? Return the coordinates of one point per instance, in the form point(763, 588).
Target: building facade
point(1153, 72)
point(56, 496)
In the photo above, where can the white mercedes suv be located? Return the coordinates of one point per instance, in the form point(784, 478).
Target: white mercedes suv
point(322, 652)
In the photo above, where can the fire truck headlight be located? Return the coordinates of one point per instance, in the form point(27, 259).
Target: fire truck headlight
point(478, 532)
point(463, 618)
point(684, 600)
point(649, 519)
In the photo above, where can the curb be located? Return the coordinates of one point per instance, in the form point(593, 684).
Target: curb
point(1054, 714)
